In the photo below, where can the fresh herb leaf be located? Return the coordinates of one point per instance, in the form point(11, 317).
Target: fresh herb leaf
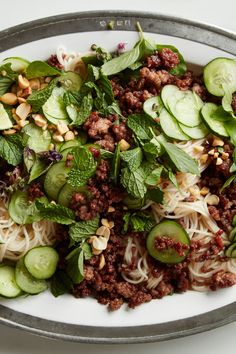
point(141, 124)
point(172, 178)
point(38, 169)
point(77, 178)
point(60, 283)
point(6, 71)
point(122, 62)
point(87, 250)
point(233, 166)
point(106, 87)
point(113, 109)
point(38, 98)
point(115, 167)
point(228, 182)
point(156, 195)
point(133, 158)
point(154, 178)
point(5, 84)
point(84, 110)
point(141, 222)
point(105, 154)
point(55, 212)
point(74, 265)
point(230, 127)
point(133, 181)
point(93, 73)
point(29, 157)
point(11, 149)
point(83, 229)
point(179, 69)
point(182, 161)
point(40, 68)
point(153, 147)
point(126, 219)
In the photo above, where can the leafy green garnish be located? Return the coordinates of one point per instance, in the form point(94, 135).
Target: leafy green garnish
point(182, 161)
point(133, 181)
point(11, 149)
point(60, 283)
point(38, 98)
point(84, 110)
point(55, 212)
point(75, 265)
point(141, 124)
point(154, 177)
point(133, 158)
point(138, 222)
point(228, 182)
point(5, 84)
point(39, 167)
point(179, 69)
point(156, 195)
point(233, 166)
point(84, 166)
point(115, 167)
point(83, 229)
point(39, 68)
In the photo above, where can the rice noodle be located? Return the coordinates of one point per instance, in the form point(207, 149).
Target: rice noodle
point(195, 219)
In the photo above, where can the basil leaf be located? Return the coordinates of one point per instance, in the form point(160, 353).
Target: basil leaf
point(141, 124)
point(156, 195)
point(122, 62)
point(40, 68)
point(5, 84)
point(38, 98)
point(173, 179)
point(75, 265)
point(38, 169)
point(87, 250)
point(106, 87)
point(182, 161)
point(60, 283)
point(84, 110)
point(230, 127)
point(11, 149)
point(228, 182)
point(83, 229)
point(181, 68)
point(154, 176)
point(133, 158)
point(133, 181)
point(55, 212)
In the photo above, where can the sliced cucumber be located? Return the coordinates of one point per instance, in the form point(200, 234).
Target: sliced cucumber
point(54, 108)
point(171, 127)
point(55, 179)
point(153, 106)
point(5, 121)
point(67, 192)
point(66, 152)
point(232, 234)
point(70, 81)
point(167, 92)
point(8, 285)
point(231, 250)
point(17, 64)
point(172, 230)
point(36, 138)
point(26, 281)
point(216, 126)
point(41, 262)
point(198, 132)
point(220, 72)
point(69, 144)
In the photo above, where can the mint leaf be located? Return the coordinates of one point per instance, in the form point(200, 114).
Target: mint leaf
point(182, 161)
point(83, 229)
point(133, 181)
point(84, 110)
point(153, 147)
point(141, 124)
point(11, 149)
point(38, 98)
point(60, 283)
point(141, 222)
point(55, 212)
point(115, 167)
point(154, 176)
point(39, 68)
point(133, 158)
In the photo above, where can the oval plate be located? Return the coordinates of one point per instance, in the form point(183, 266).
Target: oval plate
point(84, 320)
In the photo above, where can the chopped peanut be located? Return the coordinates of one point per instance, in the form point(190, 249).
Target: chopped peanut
point(101, 262)
point(23, 110)
point(111, 209)
point(62, 128)
point(198, 148)
point(39, 120)
point(204, 158)
point(217, 142)
point(224, 155)
point(216, 154)
point(219, 161)
point(124, 145)
point(58, 137)
point(9, 98)
point(204, 191)
point(212, 199)
point(23, 82)
point(34, 84)
point(211, 152)
point(9, 132)
point(69, 136)
point(103, 231)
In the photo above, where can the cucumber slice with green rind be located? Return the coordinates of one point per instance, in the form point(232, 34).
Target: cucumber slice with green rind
point(17, 64)
point(41, 262)
point(55, 179)
point(69, 144)
point(8, 285)
point(216, 126)
point(198, 132)
point(70, 81)
point(220, 72)
point(67, 192)
point(174, 231)
point(26, 281)
point(153, 106)
point(171, 127)
point(5, 121)
point(167, 92)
